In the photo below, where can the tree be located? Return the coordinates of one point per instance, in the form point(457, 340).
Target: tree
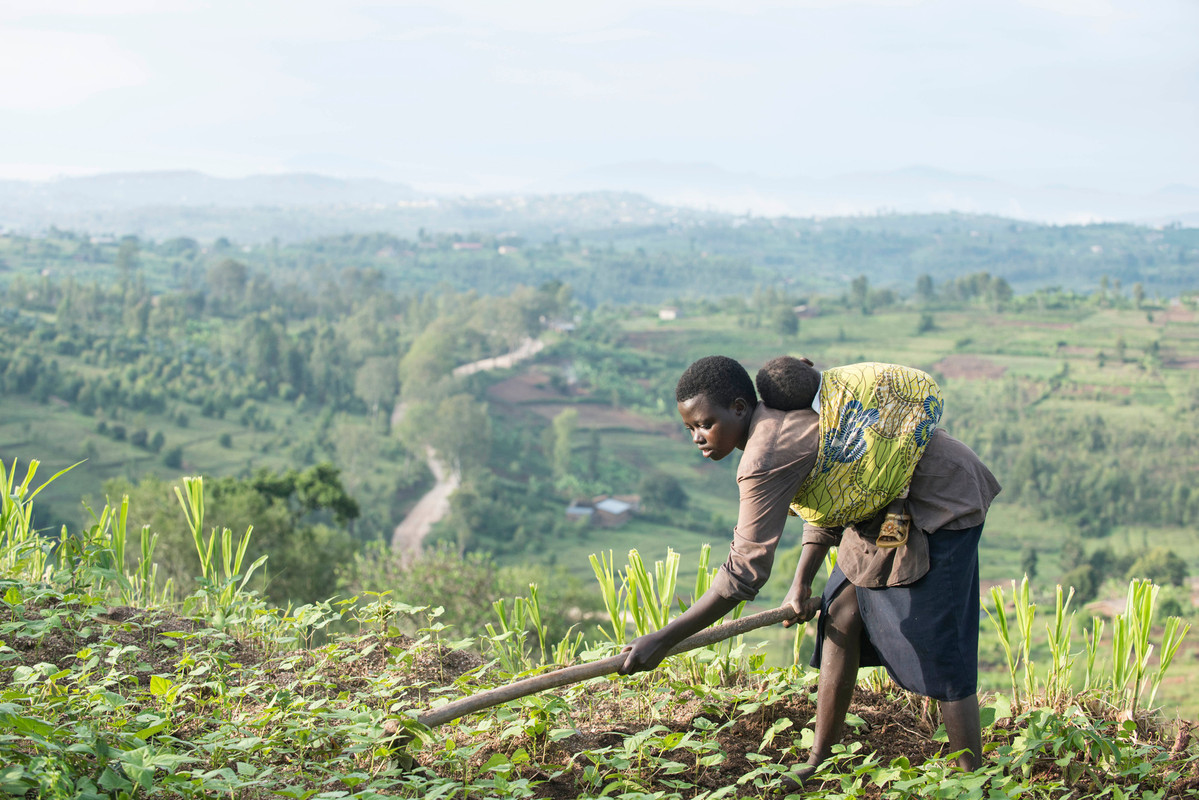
point(457, 428)
point(429, 360)
point(660, 491)
point(999, 292)
point(227, 283)
point(1160, 565)
point(127, 262)
point(564, 425)
point(377, 382)
point(173, 458)
point(785, 323)
point(925, 291)
point(859, 293)
point(289, 512)
point(1073, 554)
point(1083, 579)
point(1028, 562)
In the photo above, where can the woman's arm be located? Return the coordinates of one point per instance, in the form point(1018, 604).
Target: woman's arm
point(800, 595)
point(647, 652)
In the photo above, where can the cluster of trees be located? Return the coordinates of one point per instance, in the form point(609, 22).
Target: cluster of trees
point(977, 286)
point(240, 340)
point(1080, 468)
point(1087, 572)
point(300, 519)
point(178, 329)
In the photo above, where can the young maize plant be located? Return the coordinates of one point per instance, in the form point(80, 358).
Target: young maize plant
point(1060, 633)
point(218, 597)
point(1175, 630)
point(604, 567)
point(1000, 621)
point(650, 597)
point(23, 552)
point(1026, 611)
point(1092, 638)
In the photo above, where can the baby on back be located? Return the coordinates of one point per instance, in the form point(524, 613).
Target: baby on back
point(788, 383)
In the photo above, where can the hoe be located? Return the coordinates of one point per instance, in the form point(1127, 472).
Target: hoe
point(579, 672)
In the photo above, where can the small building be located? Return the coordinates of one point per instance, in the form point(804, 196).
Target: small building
point(580, 512)
point(668, 313)
point(468, 245)
point(604, 511)
point(612, 513)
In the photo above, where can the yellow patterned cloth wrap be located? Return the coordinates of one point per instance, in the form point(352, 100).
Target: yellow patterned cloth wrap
point(875, 421)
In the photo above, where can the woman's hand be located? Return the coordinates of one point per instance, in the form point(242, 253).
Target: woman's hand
point(800, 593)
point(800, 598)
point(645, 653)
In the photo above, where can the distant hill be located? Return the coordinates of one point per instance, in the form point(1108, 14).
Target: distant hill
point(300, 206)
point(303, 205)
point(913, 190)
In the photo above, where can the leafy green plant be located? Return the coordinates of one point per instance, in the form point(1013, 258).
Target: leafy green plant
point(999, 619)
point(22, 551)
point(1057, 683)
point(220, 595)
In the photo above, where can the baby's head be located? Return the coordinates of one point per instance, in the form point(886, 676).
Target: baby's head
point(787, 383)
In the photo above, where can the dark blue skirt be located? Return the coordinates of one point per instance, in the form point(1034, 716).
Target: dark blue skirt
point(925, 633)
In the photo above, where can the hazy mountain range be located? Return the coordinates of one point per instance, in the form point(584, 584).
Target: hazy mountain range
point(299, 205)
point(914, 190)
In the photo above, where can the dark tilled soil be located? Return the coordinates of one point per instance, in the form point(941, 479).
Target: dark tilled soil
point(352, 670)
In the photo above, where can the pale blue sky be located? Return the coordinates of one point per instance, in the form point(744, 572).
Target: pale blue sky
point(480, 96)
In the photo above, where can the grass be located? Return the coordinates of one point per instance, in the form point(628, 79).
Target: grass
point(62, 436)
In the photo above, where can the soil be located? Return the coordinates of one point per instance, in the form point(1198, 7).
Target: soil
point(1028, 323)
point(407, 537)
point(969, 367)
point(891, 723)
point(531, 391)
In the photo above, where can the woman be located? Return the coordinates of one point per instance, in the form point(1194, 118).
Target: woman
point(913, 609)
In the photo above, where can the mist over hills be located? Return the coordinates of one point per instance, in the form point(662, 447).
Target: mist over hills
point(299, 206)
point(302, 205)
point(912, 190)
point(125, 190)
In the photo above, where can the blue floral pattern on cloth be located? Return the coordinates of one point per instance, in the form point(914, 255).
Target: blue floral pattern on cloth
point(847, 442)
point(925, 428)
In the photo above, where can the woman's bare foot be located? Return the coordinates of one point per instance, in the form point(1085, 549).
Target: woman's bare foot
point(797, 779)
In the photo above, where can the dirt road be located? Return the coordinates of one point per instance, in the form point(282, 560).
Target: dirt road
point(408, 535)
point(526, 349)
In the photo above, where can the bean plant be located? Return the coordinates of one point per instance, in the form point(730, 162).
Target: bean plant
point(110, 687)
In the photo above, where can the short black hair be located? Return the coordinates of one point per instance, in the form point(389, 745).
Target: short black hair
point(720, 378)
point(788, 384)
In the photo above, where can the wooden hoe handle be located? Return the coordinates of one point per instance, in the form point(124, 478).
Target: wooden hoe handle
point(605, 666)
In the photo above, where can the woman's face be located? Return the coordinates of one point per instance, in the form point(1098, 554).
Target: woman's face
point(716, 431)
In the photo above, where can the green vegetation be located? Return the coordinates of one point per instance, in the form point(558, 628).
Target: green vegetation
point(225, 694)
point(300, 378)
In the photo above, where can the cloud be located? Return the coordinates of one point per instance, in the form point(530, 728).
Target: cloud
point(50, 70)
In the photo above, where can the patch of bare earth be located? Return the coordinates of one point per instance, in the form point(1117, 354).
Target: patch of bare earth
point(1028, 323)
point(890, 727)
point(969, 367)
point(533, 392)
point(1174, 315)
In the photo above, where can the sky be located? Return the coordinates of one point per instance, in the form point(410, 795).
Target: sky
point(481, 96)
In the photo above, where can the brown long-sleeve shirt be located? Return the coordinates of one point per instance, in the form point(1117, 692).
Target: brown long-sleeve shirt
point(951, 489)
